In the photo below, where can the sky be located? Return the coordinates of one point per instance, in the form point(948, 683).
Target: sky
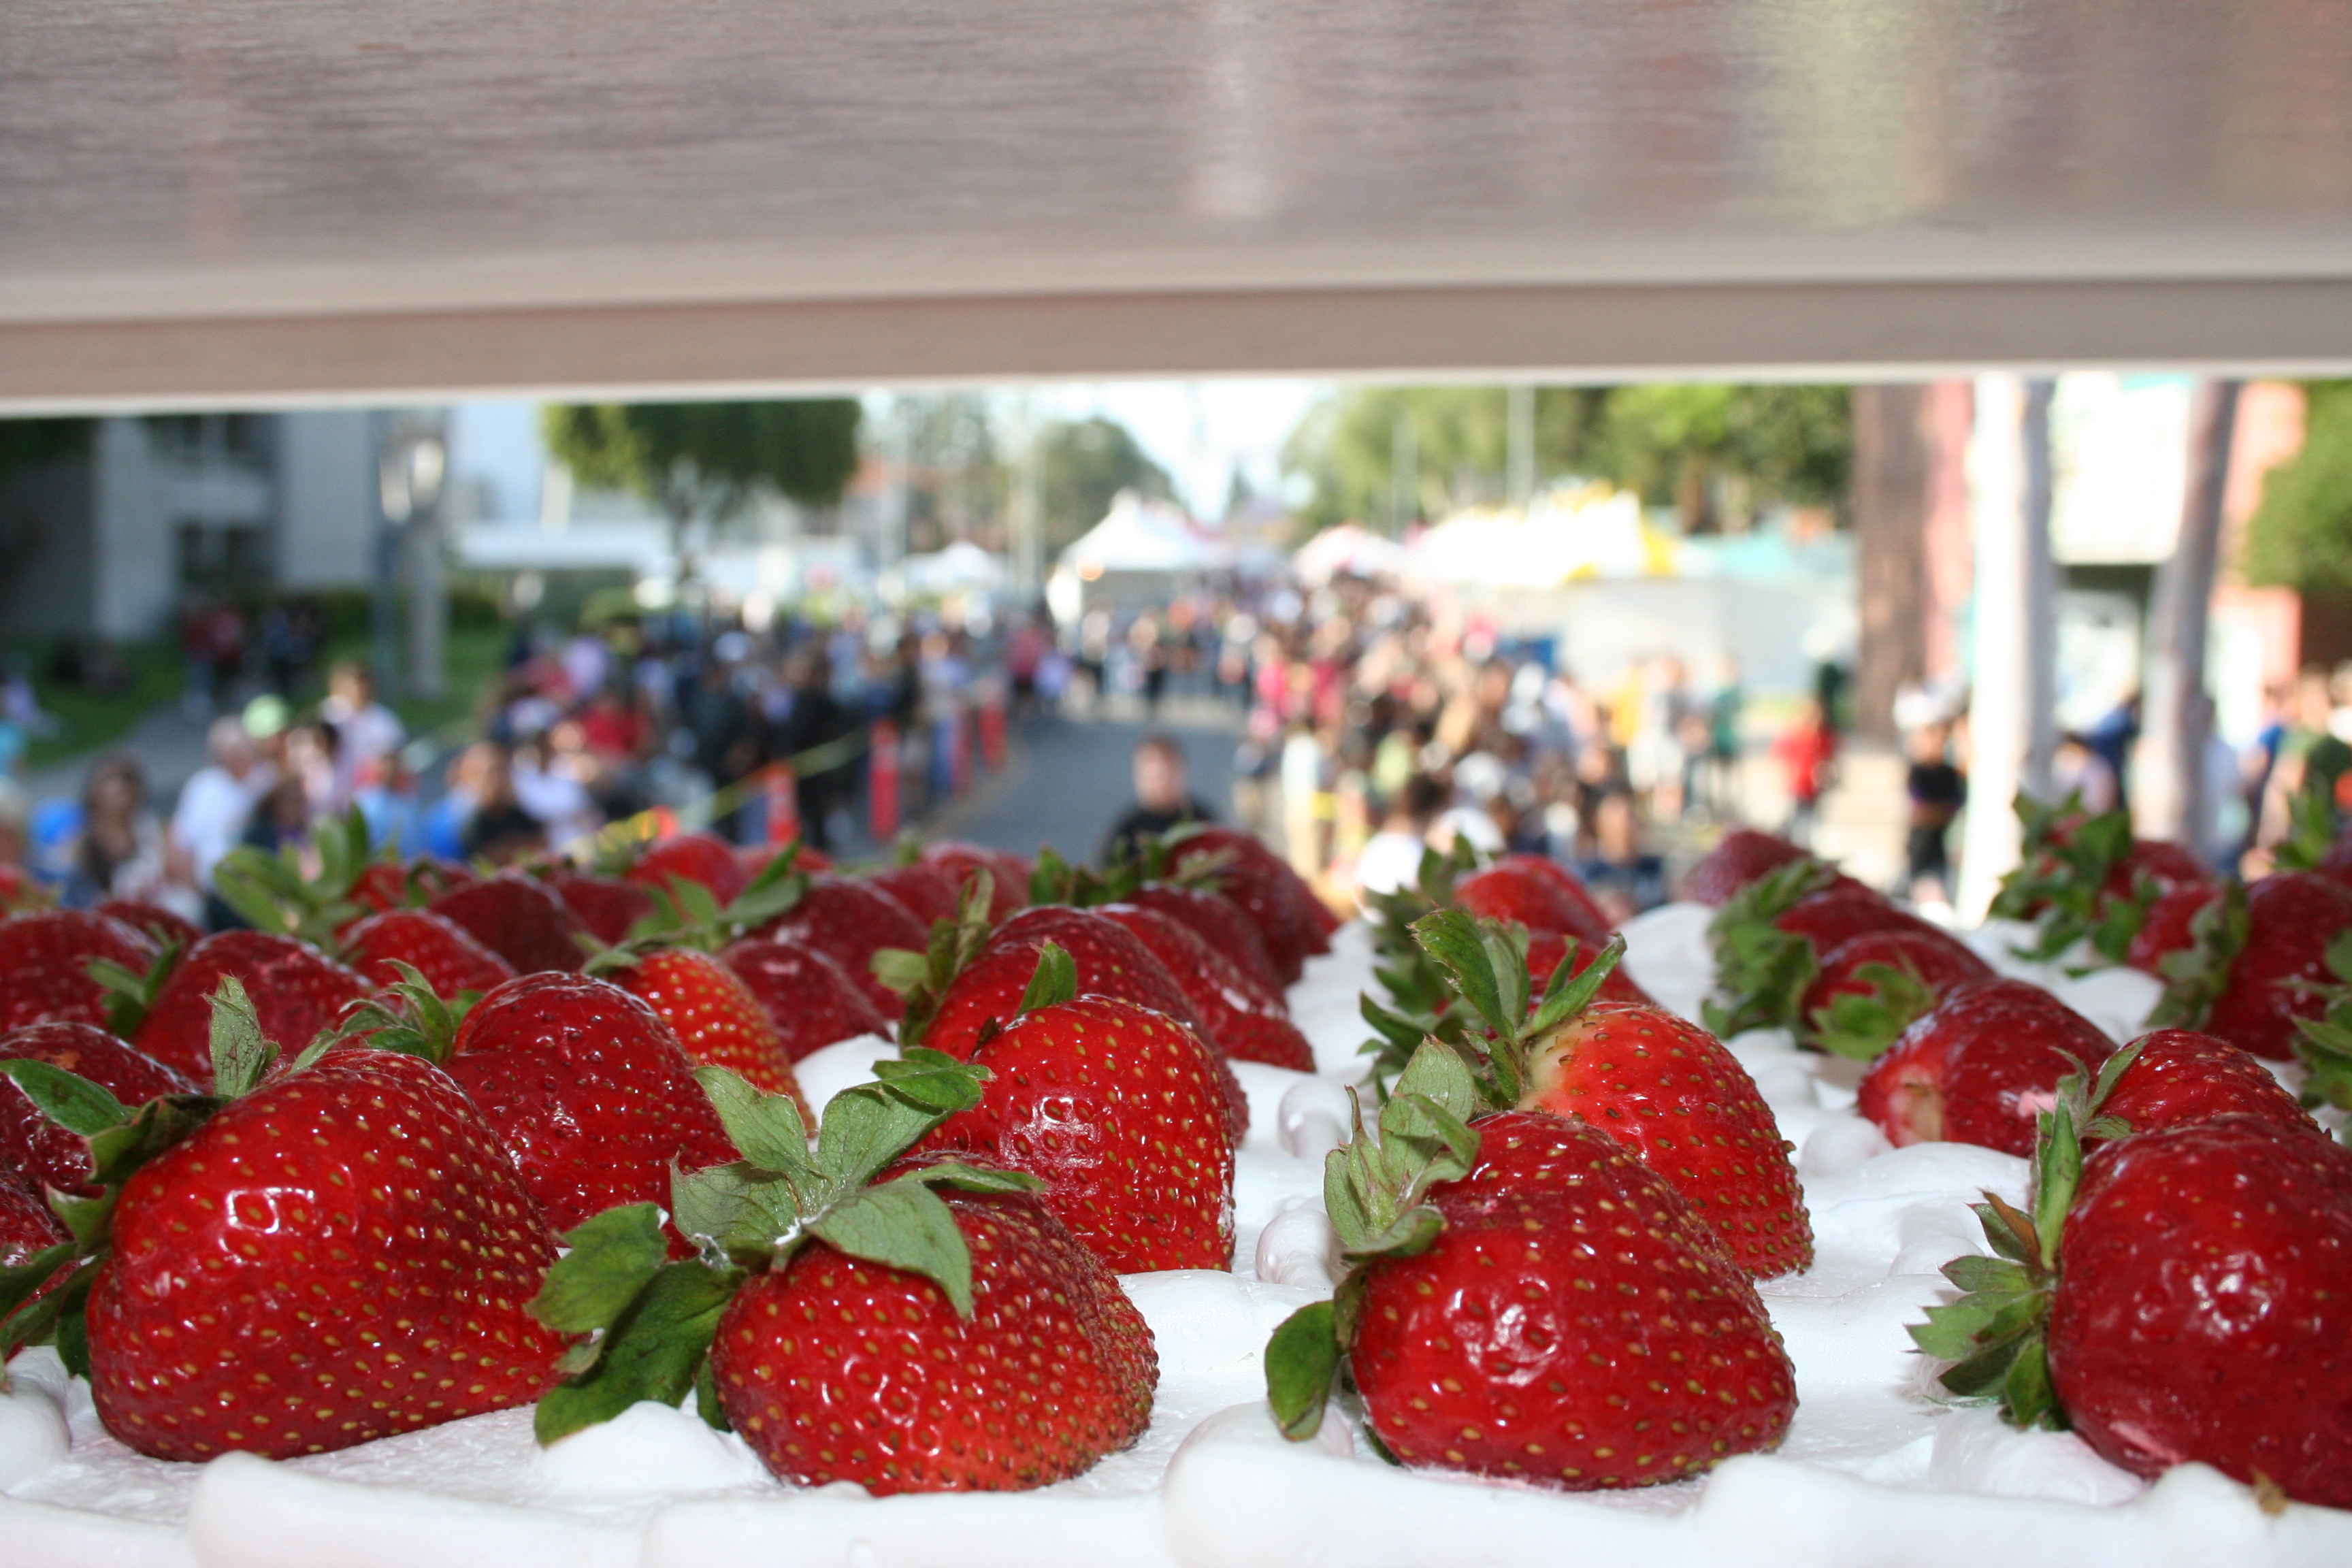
point(1200, 431)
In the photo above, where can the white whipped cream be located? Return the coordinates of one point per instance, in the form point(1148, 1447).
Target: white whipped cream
point(1875, 1471)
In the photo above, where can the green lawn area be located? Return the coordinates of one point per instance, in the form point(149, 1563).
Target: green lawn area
point(89, 720)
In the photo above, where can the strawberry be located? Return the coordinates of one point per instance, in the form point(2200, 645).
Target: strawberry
point(755, 859)
point(1122, 1113)
point(988, 985)
point(338, 1254)
point(2162, 1300)
point(2258, 963)
point(2168, 925)
point(160, 924)
point(1771, 937)
point(297, 990)
point(44, 959)
point(1538, 894)
point(2083, 877)
point(518, 920)
point(589, 1091)
point(1979, 1067)
point(703, 858)
point(713, 1014)
point(20, 894)
point(27, 1228)
point(849, 921)
point(606, 905)
point(1235, 1014)
point(1009, 873)
point(1473, 1324)
point(1218, 921)
point(924, 887)
point(35, 1148)
point(908, 1325)
point(1869, 988)
point(1289, 916)
point(319, 889)
point(1741, 857)
point(444, 953)
point(2179, 1075)
point(812, 1001)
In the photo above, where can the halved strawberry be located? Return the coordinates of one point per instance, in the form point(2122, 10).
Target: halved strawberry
point(908, 1325)
point(1980, 1066)
point(38, 1148)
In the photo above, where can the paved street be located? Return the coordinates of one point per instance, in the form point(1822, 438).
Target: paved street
point(1068, 782)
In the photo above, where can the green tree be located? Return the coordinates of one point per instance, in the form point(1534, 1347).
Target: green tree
point(708, 459)
point(1082, 465)
point(1386, 456)
point(2301, 535)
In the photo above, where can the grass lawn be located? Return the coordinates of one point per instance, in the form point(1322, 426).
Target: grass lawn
point(89, 720)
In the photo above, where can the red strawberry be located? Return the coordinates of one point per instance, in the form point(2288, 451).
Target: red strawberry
point(1870, 988)
point(908, 1324)
point(1234, 1011)
point(27, 1225)
point(2334, 861)
point(2168, 925)
point(1668, 1091)
point(589, 1091)
point(1219, 922)
point(2258, 964)
point(849, 921)
point(812, 1001)
point(1743, 856)
point(1053, 1369)
point(1980, 1066)
point(1289, 916)
point(755, 859)
point(1771, 937)
point(161, 924)
point(2086, 878)
point(1110, 963)
point(2197, 1317)
point(18, 893)
point(364, 1250)
point(444, 953)
point(35, 1148)
point(713, 1014)
point(296, 990)
point(1009, 873)
point(519, 920)
point(44, 960)
point(925, 888)
point(1515, 889)
point(1574, 1324)
point(2167, 864)
point(606, 906)
point(1119, 1110)
point(2179, 1076)
point(703, 858)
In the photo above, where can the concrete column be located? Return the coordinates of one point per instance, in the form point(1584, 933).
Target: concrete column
point(2167, 800)
point(2013, 687)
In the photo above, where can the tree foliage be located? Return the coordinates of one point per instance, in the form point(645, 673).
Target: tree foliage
point(29, 443)
point(1718, 452)
point(1082, 465)
point(706, 458)
point(2301, 535)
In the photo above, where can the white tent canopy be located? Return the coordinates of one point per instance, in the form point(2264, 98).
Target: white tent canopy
point(1143, 535)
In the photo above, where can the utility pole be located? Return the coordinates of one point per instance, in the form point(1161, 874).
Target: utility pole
point(1519, 443)
point(2168, 801)
point(1405, 475)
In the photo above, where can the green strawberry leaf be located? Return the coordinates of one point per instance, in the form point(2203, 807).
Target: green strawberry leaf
point(864, 1128)
point(1860, 1027)
point(68, 1099)
point(706, 1399)
point(1437, 1074)
point(709, 1208)
point(767, 1129)
point(129, 996)
point(19, 1280)
point(1453, 939)
point(974, 1178)
point(612, 1258)
point(933, 1081)
point(1055, 982)
point(904, 1225)
point(1566, 995)
point(2196, 976)
point(241, 1056)
point(1413, 1232)
point(1302, 1359)
point(158, 1125)
point(1422, 1143)
point(654, 1350)
point(2027, 1396)
point(901, 969)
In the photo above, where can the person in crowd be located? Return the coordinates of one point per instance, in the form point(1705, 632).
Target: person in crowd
point(218, 798)
point(1807, 752)
point(1723, 745)
point(1391, 858)
point(1623, 873)
point(120, 851)
point(499, 829)
point(281, 820)
point(726, 737)
point(1936, 791)
point(2311, 758)
point(1162, 797)
point(2111, 741)
point(2078, 769)
point(366, 732)
point(809, 723)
